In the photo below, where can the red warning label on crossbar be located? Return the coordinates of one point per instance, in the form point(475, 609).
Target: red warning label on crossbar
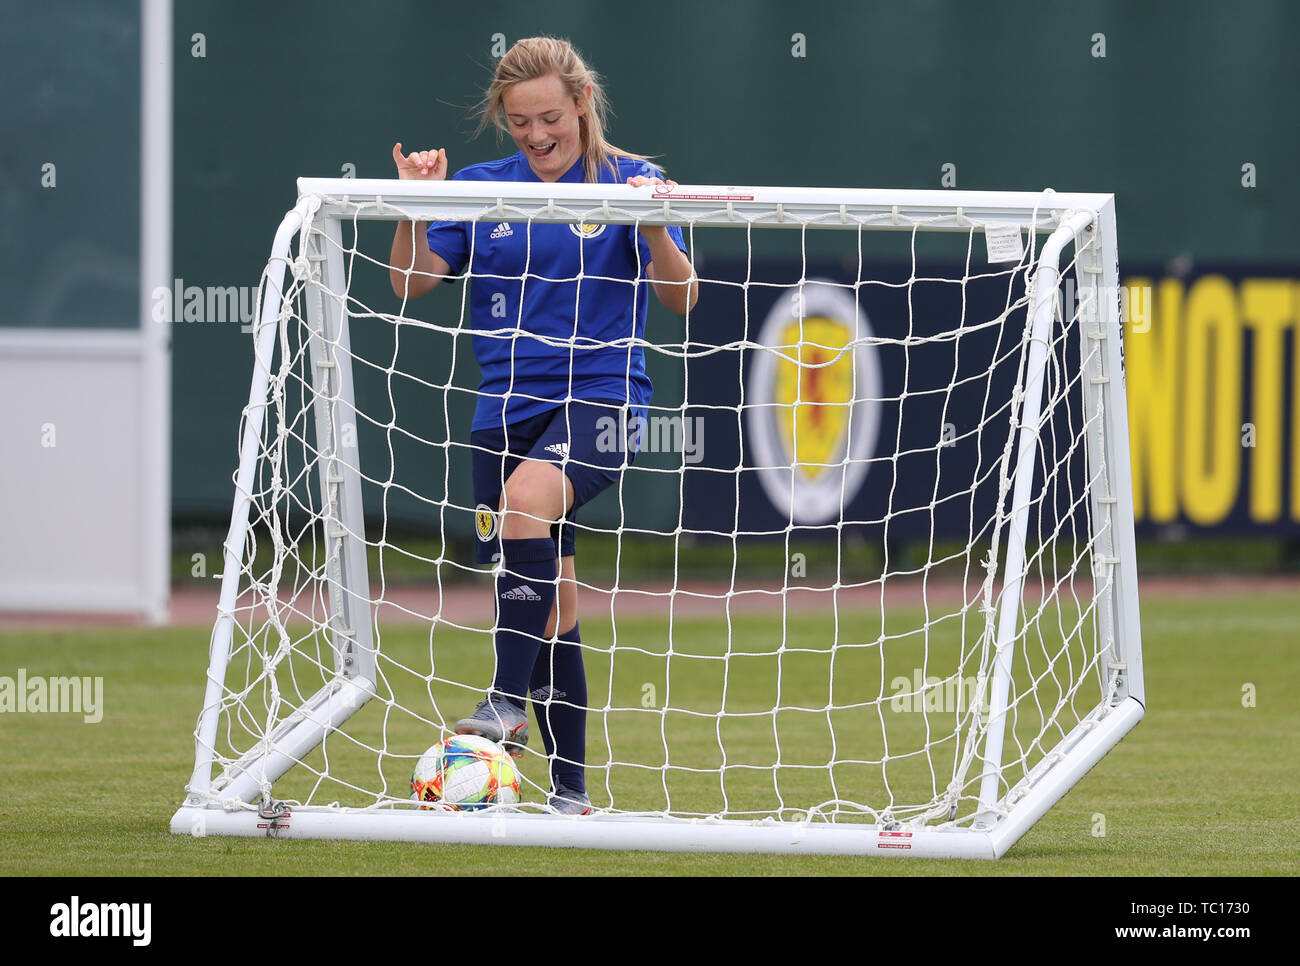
point(670, 192)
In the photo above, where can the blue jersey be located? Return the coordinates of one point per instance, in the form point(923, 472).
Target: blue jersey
point(542, 335)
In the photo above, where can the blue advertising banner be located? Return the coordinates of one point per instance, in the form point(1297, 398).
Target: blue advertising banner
point(902, 437)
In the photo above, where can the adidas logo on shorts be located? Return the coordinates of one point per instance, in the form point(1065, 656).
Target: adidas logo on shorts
point(559, 449)
point(522, 592)
point(502, 230)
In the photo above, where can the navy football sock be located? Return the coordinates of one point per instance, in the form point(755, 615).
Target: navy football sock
point(559, 674)
point(525, 590)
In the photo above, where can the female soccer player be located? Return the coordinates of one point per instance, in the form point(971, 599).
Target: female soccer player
point(544, 402)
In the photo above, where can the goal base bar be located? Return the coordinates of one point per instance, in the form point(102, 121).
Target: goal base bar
point(1083, 748)
point(587, 832)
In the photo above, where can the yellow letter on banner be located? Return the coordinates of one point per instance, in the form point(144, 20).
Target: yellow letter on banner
point(1211, 467)
point(1295, 415)
point(1152, 367)
point(1266, 306)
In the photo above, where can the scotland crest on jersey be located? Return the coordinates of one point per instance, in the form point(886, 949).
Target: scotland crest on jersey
point(558, 310)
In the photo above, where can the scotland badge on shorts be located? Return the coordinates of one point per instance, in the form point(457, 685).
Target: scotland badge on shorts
point(485, 522)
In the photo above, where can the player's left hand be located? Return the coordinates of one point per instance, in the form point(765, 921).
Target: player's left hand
point(640, 181)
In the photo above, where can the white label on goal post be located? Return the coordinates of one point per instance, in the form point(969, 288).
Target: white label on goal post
point(1004, 243)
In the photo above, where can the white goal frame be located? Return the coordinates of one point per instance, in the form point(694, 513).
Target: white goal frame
point(232, 803)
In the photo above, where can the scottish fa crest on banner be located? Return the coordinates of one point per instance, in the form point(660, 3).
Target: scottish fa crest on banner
point(812, 411)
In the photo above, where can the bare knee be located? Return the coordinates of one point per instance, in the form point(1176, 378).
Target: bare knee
point(536, 495)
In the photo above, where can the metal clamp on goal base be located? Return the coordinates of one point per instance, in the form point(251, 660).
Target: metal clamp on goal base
point(276, 816)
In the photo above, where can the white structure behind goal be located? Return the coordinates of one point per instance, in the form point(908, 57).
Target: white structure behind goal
point(783, 739)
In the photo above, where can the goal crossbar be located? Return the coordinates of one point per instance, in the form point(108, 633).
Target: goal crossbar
point(700, 205)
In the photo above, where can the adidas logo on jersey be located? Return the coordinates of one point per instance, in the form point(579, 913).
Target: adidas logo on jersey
point(522, 592)
point(502, 230)
point(559, 449)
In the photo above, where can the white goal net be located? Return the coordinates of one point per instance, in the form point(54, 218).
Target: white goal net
point(868, 587)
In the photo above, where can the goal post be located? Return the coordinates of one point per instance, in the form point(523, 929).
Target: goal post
point(317, 702)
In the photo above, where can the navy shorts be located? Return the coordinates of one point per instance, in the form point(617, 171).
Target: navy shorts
point(591, 442)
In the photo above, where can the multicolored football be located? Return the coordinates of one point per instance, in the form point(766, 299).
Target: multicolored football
point(465, 772)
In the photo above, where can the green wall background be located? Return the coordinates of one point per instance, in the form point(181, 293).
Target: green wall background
point(1008, 92)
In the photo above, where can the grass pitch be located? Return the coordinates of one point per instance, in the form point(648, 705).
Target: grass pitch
point(1205, 785)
